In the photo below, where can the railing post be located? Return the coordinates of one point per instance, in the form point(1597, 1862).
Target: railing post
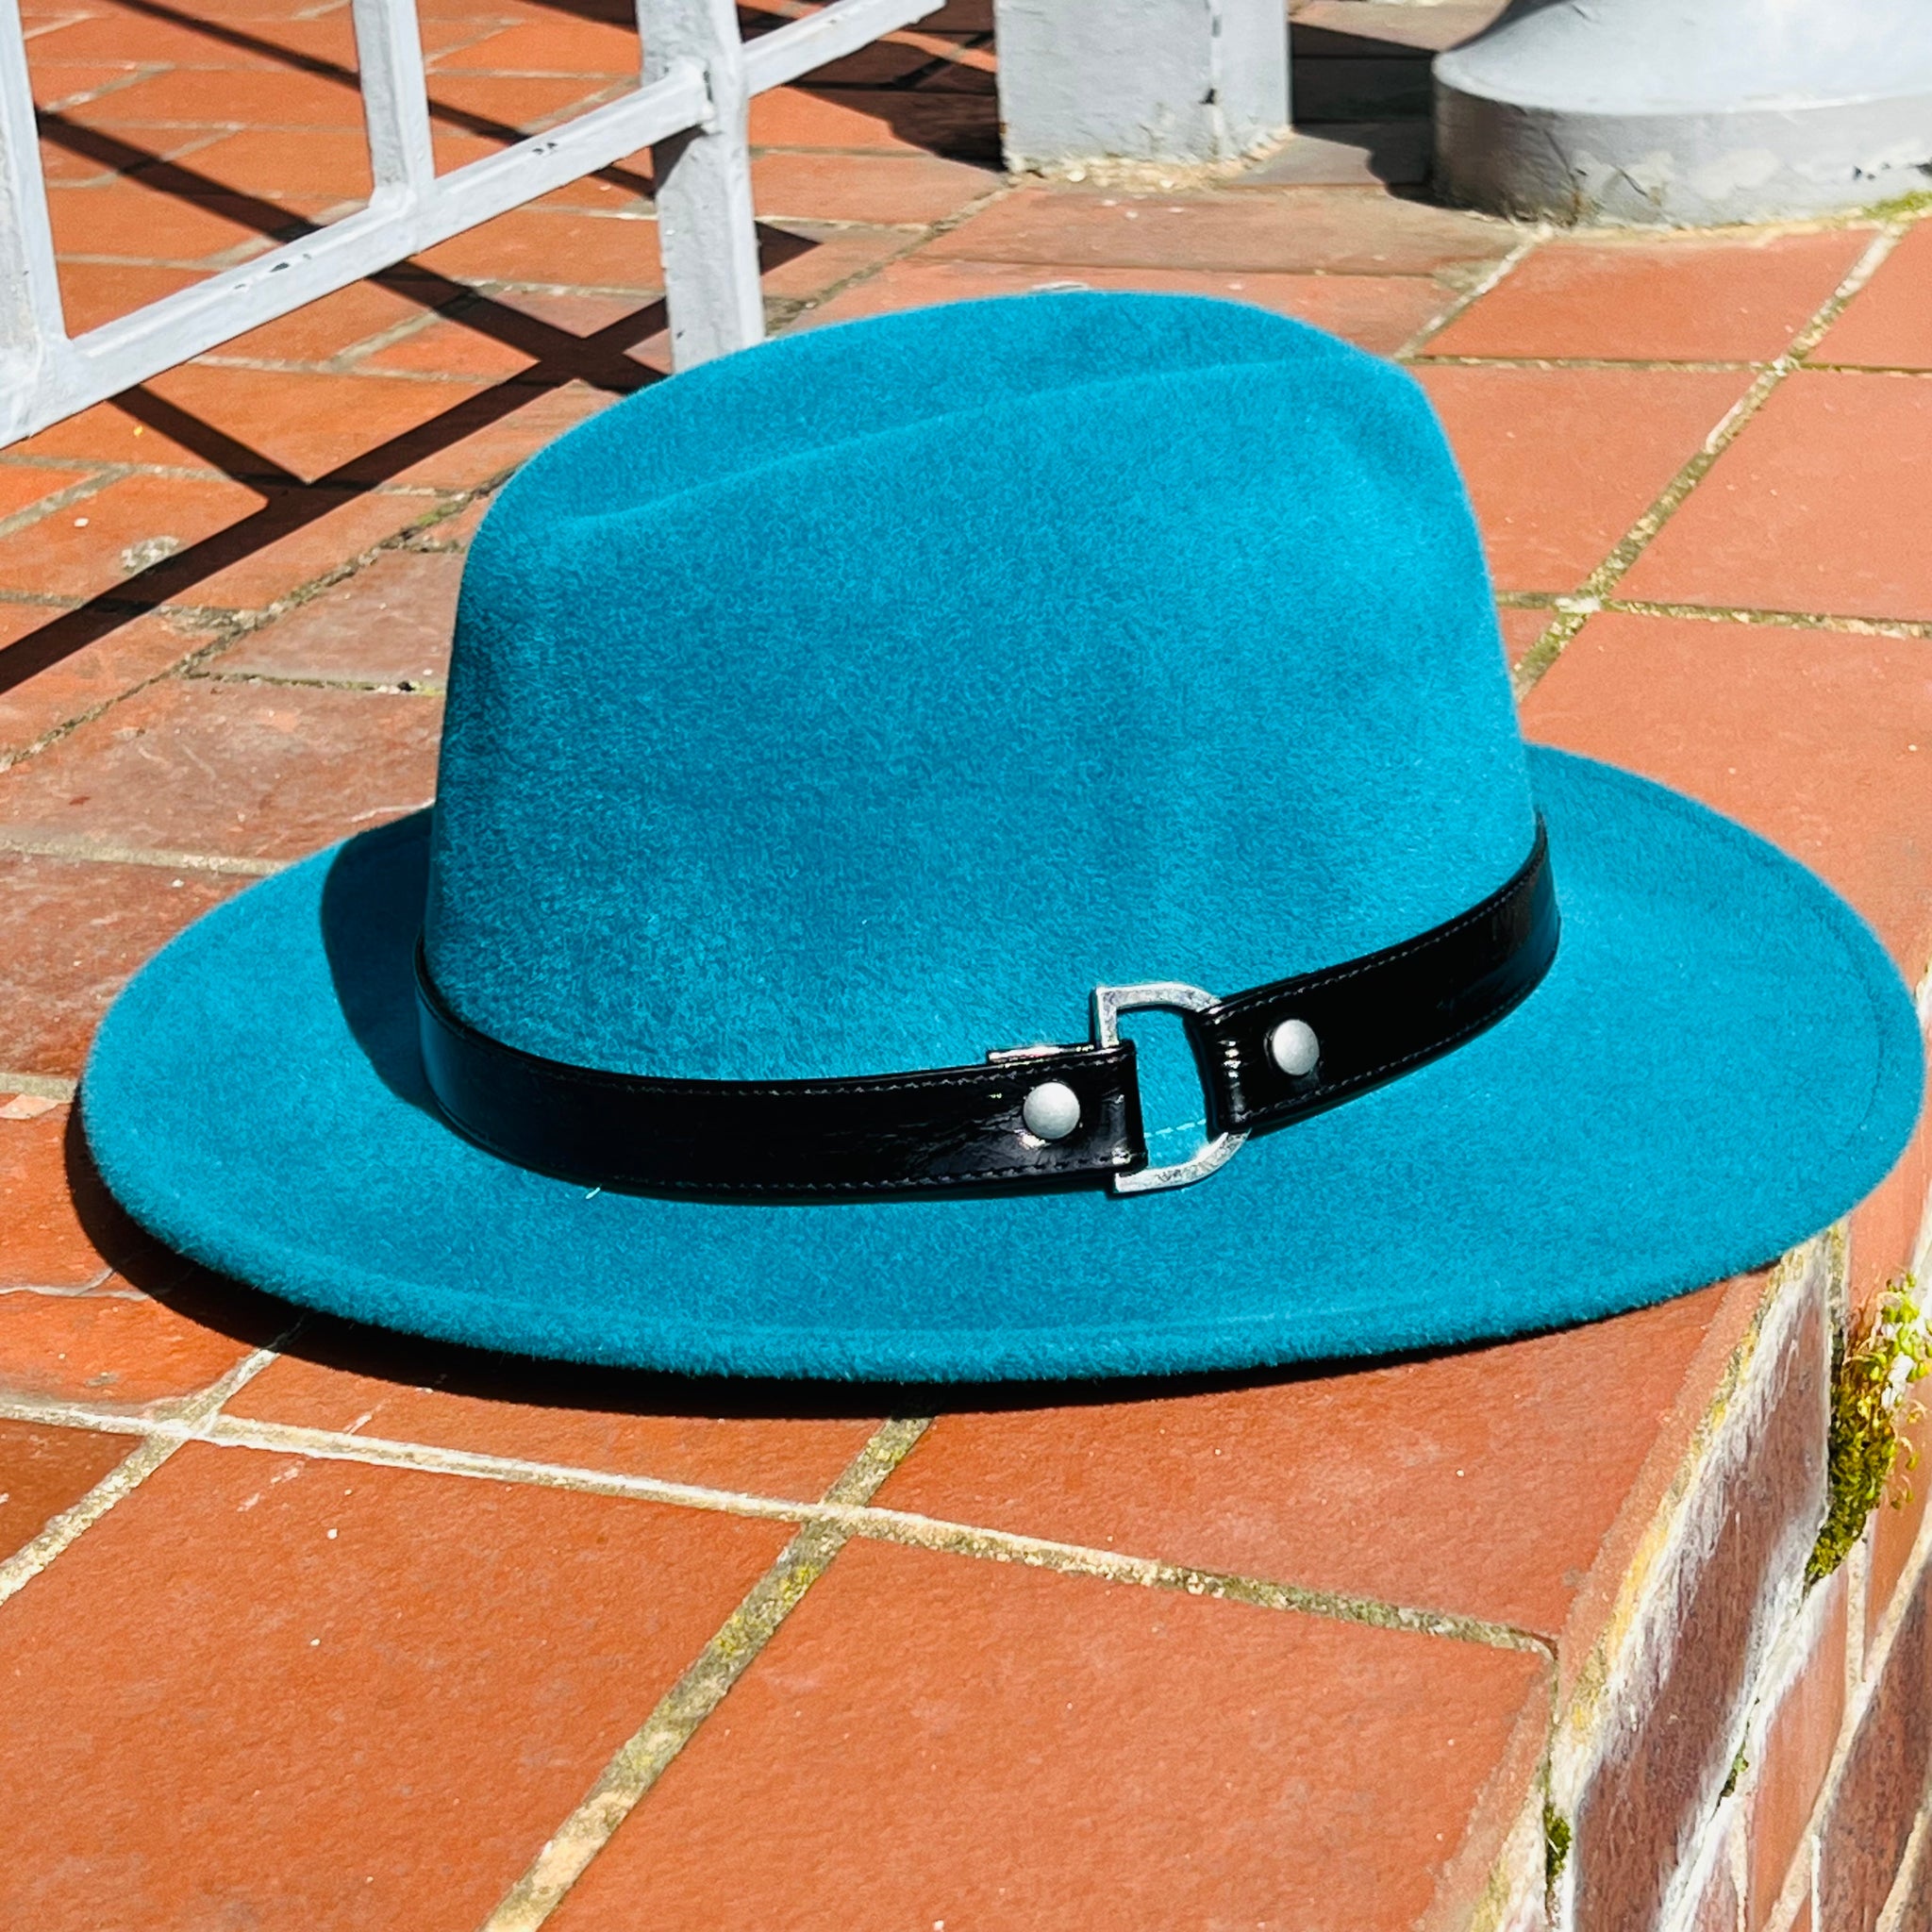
point(1152, 80)
point(705, 230)
point(395, 102)
point(31, 324)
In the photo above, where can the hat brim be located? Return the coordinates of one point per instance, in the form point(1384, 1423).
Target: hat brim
point(1722, 1061)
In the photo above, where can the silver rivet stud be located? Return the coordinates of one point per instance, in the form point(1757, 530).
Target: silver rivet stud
point(1051, 1112)
point(1294, 1048)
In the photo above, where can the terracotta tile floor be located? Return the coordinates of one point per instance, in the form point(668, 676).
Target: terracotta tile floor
point(309, 1627)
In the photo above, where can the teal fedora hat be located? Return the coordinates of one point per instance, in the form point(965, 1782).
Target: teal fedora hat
point(834, 715)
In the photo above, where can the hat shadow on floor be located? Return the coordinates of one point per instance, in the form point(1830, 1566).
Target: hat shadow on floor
point(261, 1320)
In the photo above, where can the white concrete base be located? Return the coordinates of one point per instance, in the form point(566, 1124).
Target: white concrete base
point(1153, 80)
point(1681, 112)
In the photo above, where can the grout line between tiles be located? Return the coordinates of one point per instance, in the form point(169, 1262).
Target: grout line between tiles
point(1791, 620)
point(39, 1085)
point(231, 626)
point(1899, 1901)
point(1637, 538)
point(101, 853)
point(1863, 1694)
point(126, 1475)
point(642, 1760)
point(269, 680)
point(1470, 297)
point(856, 1519)
point(918, 236)
point(1842, 623)
point(1644, 364)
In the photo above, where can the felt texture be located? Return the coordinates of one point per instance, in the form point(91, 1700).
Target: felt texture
point(809, 718)
point(814, 713)
point(1720, 1061)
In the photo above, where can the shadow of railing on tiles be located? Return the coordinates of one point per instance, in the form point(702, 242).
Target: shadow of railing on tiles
point(459, 119)
point(559, 356)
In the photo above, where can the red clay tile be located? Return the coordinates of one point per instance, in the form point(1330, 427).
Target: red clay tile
point(441, 35)
point(45, 1471)
point(389, 623)
point(1377, 313)
point(885, 62)
point(306, 421)
point(123, 35)
point(1689, 300)
point(1877, 1795)
point(106, 541)
point(265, 1691)
point(61, 169)
point(108, 433)
point(233, 97)
point(878, 120)
point(19, 618)
point(1806, 737)
point(136, 223)
point(323, 329)
point(246, 770)
point(516, 103)
point(1792, 1760)
point(1888, 325)
point(1893, 1532)
point(44, 1245)
point(486, 454)
point(1886, 1224)
point(1815, 506)
point(1443, 24)
point(60, 84)
point(866, 188)
point(565, 247)
point(1340, 230)
point(623, 189)
point(1521, 629)
point(92, 292)
point(1414, 1482)
point(1561, 462)
point(763, 1441)
point(1717, 1904)
point(114, 1349)
point(960, 17)
point(957, 68)
point(1667, 1746)
point(452, 149)
point(457, 531)
point(448, 345)
point(992, 1745)
point(311, 160)
point(579, 312)
point(24, 484)
point(75, 931)
point(556, 43)
point(802, 261)
point(268, 566)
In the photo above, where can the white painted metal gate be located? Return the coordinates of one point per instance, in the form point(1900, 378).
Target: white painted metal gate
point(698, 80)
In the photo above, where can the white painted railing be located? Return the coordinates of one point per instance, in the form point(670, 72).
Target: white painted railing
point(691, 109)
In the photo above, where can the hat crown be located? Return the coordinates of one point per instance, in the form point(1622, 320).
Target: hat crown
point(862, 701)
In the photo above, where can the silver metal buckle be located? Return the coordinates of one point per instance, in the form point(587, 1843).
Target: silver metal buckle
point(1110, 1003)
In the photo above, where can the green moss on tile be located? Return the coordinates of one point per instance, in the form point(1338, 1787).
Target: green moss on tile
point(1555, 1844)
point(1879, 1356)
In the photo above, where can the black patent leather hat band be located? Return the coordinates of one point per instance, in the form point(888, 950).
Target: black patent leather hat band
point(1025, 1119)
